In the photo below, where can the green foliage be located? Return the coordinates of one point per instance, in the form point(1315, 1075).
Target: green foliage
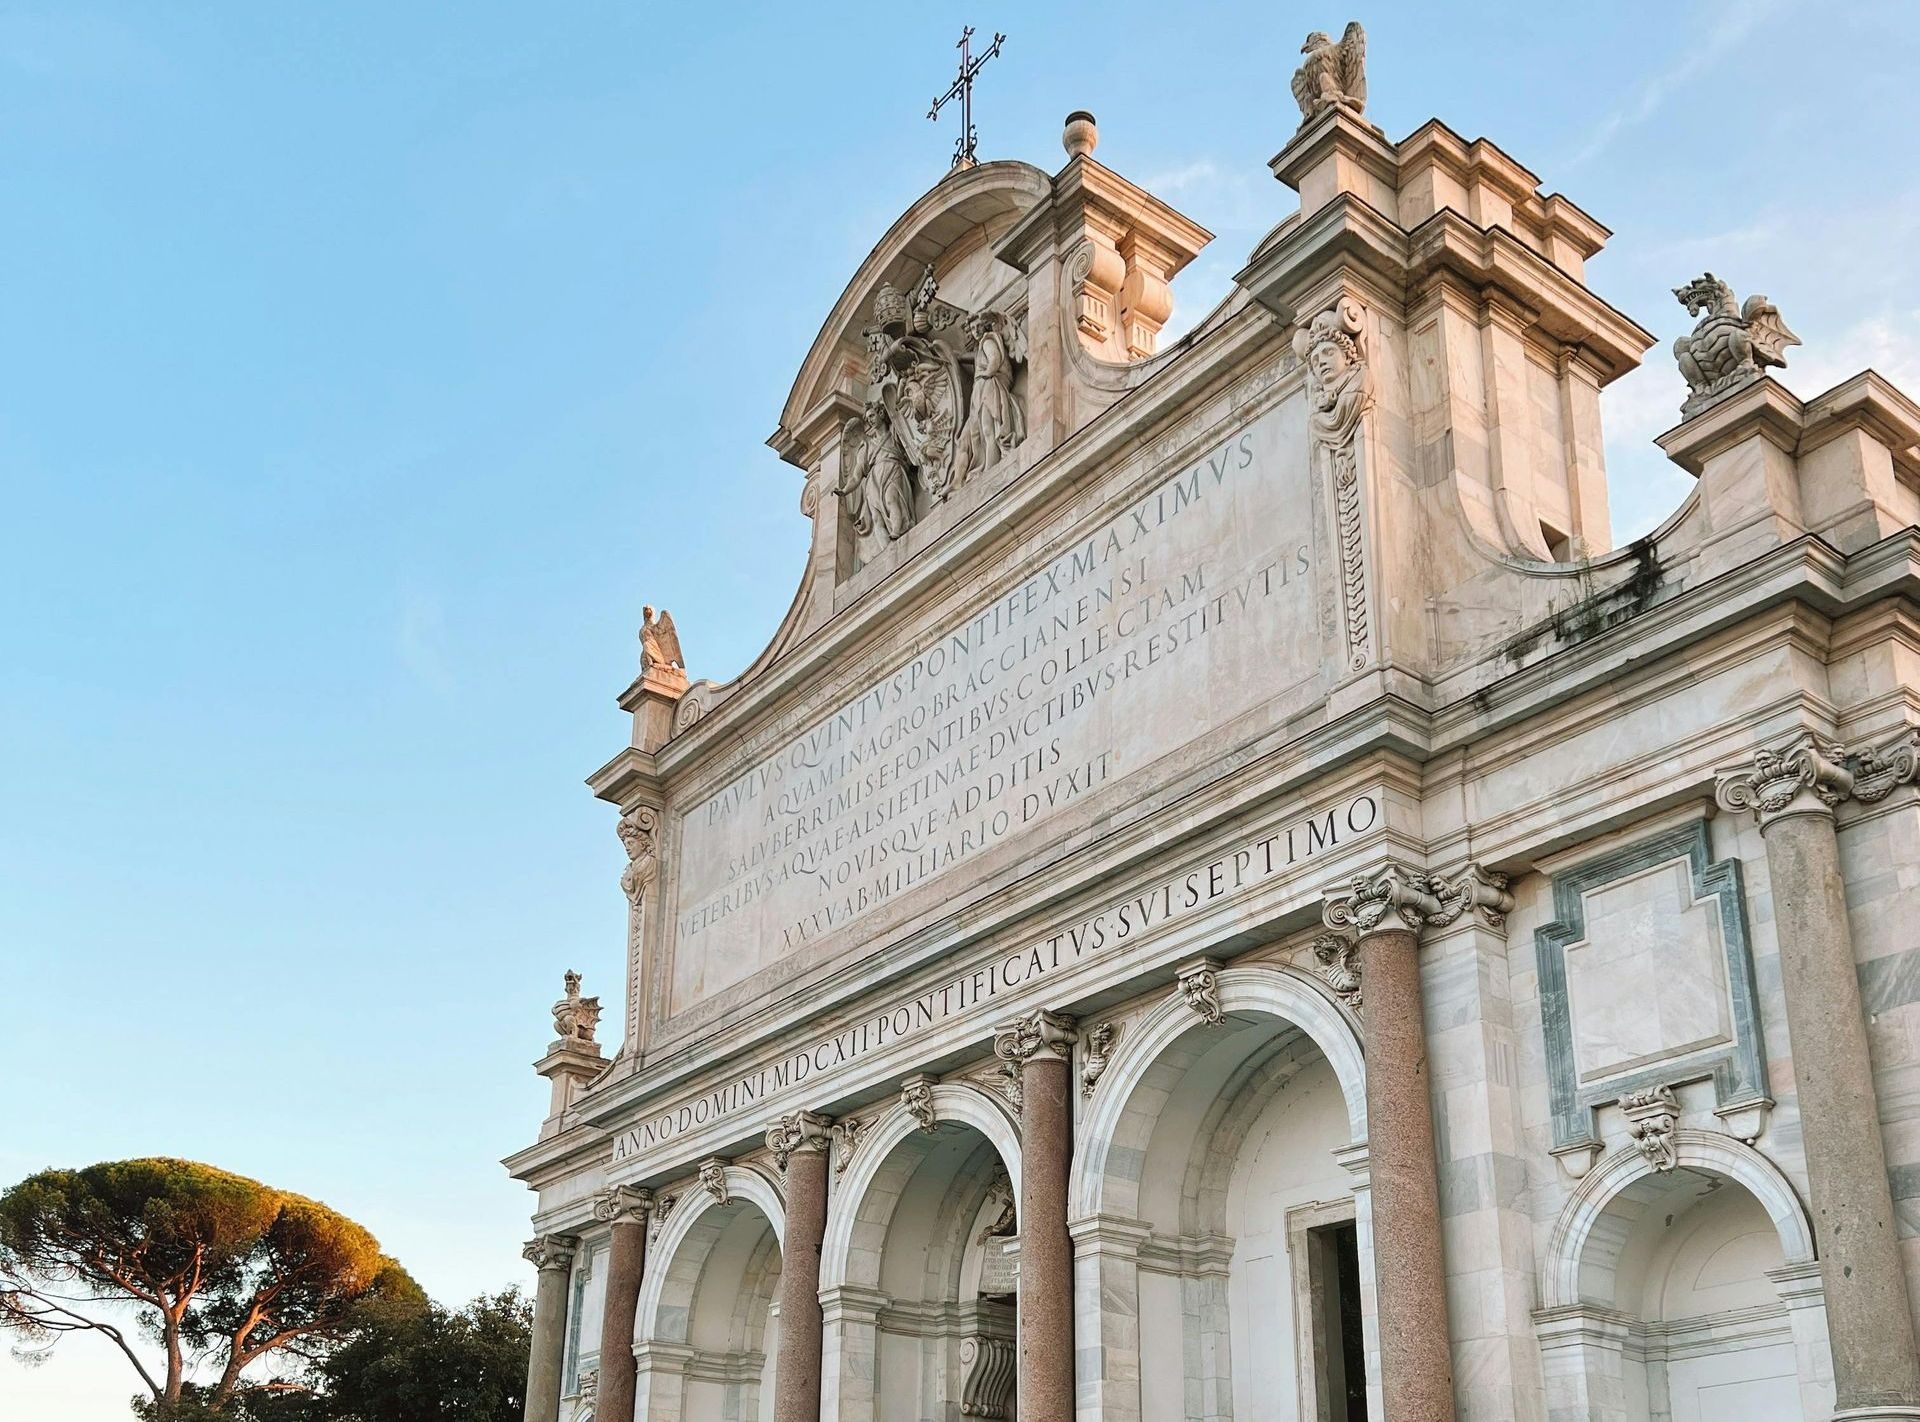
point(409, 1366)
point(213, 1264)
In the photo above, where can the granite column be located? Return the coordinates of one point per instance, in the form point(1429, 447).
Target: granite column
point(1041, 1043)
point(1385, 911)
point(627, 1209)
point(1793, 792)
point(802, 1144)
point(552, 1255)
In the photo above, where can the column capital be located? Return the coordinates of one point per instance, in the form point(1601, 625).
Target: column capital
point(624, 1204)
point(1398, 897)
point(551, 1251)
point(1041, 1034)
point(799, 1133)
point(1811, 774)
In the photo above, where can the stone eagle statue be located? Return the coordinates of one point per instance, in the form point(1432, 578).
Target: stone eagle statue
point(659, 643)
point(1334, 75)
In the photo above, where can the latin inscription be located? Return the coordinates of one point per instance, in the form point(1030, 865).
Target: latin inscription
point(996, 988)
point(1184, 610)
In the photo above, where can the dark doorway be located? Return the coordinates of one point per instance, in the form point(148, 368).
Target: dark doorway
point(1339, 1358)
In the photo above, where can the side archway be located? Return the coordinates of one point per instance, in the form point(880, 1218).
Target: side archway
point(1662, 1287)
point(953, 1103)
point(705, 1322)
point(914, 1289)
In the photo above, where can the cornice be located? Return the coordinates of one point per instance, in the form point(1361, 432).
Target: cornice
point(559, 1156)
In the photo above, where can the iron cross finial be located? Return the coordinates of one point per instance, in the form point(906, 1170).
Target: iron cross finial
point(962, 89)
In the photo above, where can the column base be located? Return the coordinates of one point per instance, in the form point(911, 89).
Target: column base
point(1892, 1412)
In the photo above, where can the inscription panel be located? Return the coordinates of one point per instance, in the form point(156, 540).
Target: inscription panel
point(1190, 607)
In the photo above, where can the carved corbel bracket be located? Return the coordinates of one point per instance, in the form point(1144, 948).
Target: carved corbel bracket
point(987, 1376)
point(1100, 1042)
point(1339, 966)
point(1651, 1116)
point(916, 1094)
point(713, 1178)
point(1200, 990)
point(846, 1141)
point(662, 1208)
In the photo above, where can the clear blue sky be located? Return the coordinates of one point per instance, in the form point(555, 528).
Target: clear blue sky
point(365, 367)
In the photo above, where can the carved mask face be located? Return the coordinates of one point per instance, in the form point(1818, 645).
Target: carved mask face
point(1329, 361)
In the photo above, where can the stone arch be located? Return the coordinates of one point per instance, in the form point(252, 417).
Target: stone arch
point(908, 1316)
point(1207, 1157)
point(1638, 1253)
point(953, 1101)
point(1124, 1108)
point(694, 1334)
point(1575, 1233)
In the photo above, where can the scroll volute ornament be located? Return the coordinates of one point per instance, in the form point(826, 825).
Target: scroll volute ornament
point(639, 834)
point(624, 1204)
point(1811, 774)
point(804, 1131)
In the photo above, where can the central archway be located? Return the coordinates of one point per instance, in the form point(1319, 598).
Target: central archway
point(1211, 1192)
point(915, 1277)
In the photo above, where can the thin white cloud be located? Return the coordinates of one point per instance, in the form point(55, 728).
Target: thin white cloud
point(1732, 24)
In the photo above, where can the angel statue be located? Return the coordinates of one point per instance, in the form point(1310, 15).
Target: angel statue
point(994, 426)
point(1730, 345)
point(1334, 75)
point(659, 643)
point(873, 483)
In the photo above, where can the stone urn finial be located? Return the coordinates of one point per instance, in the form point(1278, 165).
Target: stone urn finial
point(1081, 136)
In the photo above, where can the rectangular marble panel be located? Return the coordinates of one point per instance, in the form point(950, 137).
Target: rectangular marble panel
point(1649, 980)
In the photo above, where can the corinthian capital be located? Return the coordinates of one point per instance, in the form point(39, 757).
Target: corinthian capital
point(1391, 897)
point(1040, 1033)
point(624, 1204)
point(550, 1251)
point(1808, 775)
point(799, 1133)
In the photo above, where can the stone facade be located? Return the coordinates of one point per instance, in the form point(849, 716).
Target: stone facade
point(1227, 896)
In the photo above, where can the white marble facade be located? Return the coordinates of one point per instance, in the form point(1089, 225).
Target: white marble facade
point(1101, 668)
